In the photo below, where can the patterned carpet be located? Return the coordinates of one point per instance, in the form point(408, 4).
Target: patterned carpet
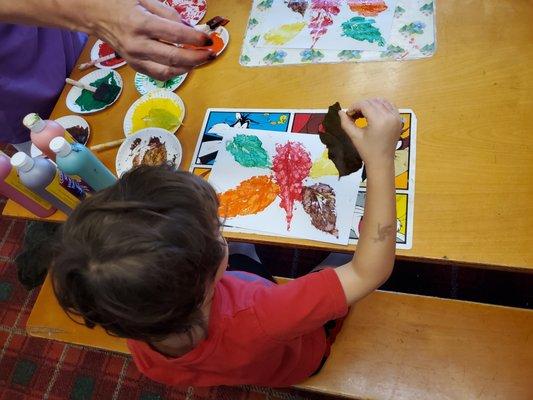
point(32, 368)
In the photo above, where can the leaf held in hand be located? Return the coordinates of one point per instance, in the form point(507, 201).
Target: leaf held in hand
point(341, 149)
point(319, 202)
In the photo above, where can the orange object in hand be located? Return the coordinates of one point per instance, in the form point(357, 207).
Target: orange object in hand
point(216, 47)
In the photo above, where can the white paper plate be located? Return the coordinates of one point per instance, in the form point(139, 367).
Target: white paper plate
point(159, 93)
point(95, 56)
point(68, 121)
point(75, 92)
point(191, 11)
point(127, 151)
point(145, 84)
point(220, 31)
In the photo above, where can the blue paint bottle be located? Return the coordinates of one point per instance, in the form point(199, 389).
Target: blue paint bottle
point(80, 163)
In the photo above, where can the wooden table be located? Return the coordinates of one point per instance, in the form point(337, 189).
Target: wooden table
point(473, 99)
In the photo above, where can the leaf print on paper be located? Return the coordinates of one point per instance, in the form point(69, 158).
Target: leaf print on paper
point(291, 165)
point(368, 8)
point(284, 33)
point(248, 151)
point(322, 15)
point(298, 6)
point(319, 202)
point(249, 197)
point(362, 29)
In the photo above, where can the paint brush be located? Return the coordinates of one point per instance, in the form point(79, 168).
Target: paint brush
point(98, 60)
point(105, 93)
point(107, 145)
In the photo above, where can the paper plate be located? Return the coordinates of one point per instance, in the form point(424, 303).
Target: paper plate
point(95, 55)
point(68, 121)
point(136, 146)
point(191, 11)
point(75, 92)
point(154, 94)
point(145, 84)
point(220, 31)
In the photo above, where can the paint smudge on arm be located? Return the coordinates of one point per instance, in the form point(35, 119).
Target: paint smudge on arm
point(291, 166)
point(319, 202)
point(250, 197)
point(248, 151)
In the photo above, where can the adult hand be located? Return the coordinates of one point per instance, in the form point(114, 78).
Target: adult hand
point(145, 33)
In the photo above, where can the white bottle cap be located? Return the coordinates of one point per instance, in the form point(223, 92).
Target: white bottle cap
point(22, 161)
point(60, 146)
point(34, 122)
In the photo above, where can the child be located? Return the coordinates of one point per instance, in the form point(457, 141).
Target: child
point(145, 259)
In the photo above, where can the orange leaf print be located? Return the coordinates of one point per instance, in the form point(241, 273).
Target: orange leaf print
point(250, 197)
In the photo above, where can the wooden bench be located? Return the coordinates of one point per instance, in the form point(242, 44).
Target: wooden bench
point(392, 346)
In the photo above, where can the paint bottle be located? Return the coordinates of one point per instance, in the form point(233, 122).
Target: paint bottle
point(81, 164)
point(12, 188)
point(42, 177)
point(43, 131)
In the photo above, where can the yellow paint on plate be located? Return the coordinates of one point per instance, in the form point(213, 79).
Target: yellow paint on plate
point(157, 113)
point(284, 33)
point(323, 167)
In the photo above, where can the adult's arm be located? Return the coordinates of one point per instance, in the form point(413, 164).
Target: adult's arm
point(141, 31)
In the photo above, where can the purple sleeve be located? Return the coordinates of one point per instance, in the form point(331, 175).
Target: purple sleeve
point(33, 67)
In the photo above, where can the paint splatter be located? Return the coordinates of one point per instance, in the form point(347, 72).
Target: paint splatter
point(368, 8)
point(362, 29)
point(157, 113)
point(298, 6)
point(104, 50)
point(250, 197)
point(248, 151)
point(291, 165)
point(323, 167)
point(284, 33)
point(319, 202)
point(322, 15)
point(87, 102)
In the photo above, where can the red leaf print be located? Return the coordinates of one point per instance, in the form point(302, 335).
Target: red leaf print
point(322, 15)
point(291, 165)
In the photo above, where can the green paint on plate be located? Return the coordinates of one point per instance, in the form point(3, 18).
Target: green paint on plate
point(87, 102)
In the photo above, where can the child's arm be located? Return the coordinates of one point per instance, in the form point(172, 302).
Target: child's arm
point(374, 259)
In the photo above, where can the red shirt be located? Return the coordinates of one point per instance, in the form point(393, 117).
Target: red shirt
point(259, 333)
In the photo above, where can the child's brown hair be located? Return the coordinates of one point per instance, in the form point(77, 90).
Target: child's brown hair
point(137, 257)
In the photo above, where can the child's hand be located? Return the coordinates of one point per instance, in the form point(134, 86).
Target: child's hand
point(376, 142)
